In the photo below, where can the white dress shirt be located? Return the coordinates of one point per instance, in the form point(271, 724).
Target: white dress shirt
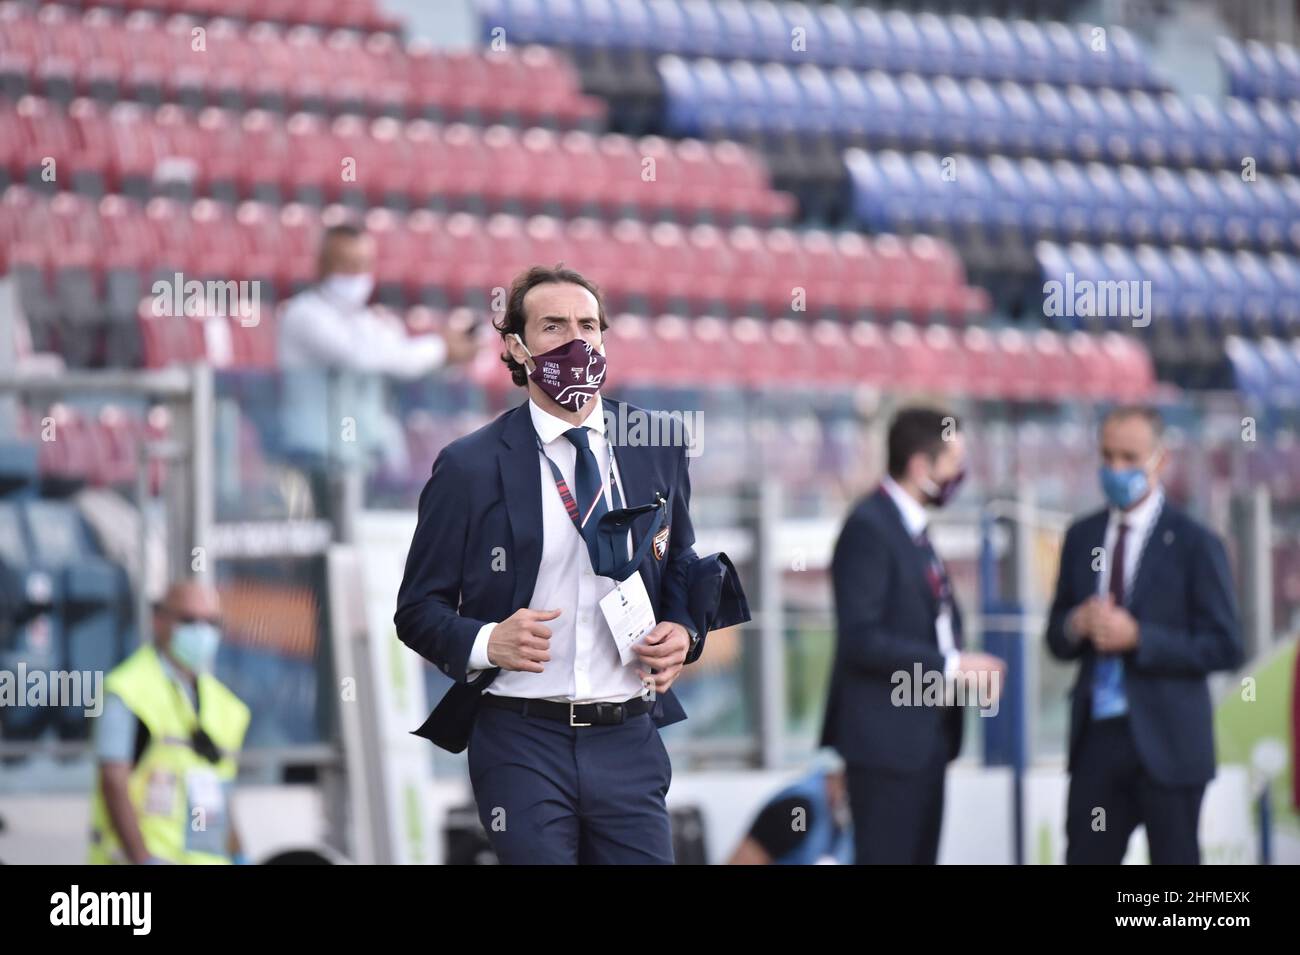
point(317, 330)
point(1141, 520)
point(584, 665)
point(915, 518)
point(334, 357)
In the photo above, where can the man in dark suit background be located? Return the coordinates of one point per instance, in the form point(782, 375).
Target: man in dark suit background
point(896, 619)
point(510, 558)
point(1145, 602)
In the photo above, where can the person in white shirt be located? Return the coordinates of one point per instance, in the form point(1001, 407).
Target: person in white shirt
point(520, 536)
point(335, 351)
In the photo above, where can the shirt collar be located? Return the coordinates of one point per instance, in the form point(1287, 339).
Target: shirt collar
point(549, 427)
point(173, 673)
point(913, 511)
point(1140, 518)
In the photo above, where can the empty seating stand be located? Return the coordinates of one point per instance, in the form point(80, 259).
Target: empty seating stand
point(62, 53)
point(458, 259)
point(140, 150)
point(1257, 70)
point(363, 15)
point(1066, 201)
point(876, 109)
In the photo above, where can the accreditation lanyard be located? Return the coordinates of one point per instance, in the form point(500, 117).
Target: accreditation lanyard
point(566, 495)
point(619, 515)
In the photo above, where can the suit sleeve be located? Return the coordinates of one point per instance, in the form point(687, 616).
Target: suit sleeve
point(428, 619)
point(673, 601)
point(1062, 645)
point(864, 586)
point(1214, 641)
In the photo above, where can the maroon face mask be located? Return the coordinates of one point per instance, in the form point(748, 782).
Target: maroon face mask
point(570, 374)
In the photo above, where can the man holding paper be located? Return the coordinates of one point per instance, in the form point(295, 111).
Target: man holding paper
point(552, 576)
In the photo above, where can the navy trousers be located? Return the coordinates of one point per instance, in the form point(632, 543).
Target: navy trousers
point(552, 794)
point(898, 816)
point(1109, 775)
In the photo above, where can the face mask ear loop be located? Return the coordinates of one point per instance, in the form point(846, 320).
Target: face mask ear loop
point(525, 348)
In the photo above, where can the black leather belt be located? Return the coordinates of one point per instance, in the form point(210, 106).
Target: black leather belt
point(575, 714)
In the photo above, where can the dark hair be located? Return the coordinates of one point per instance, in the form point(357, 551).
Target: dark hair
point(1146, 412)
point(917, 431)
point(341, 230)
point(514, 319)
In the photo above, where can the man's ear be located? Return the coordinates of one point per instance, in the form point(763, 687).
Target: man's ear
point(517, 351)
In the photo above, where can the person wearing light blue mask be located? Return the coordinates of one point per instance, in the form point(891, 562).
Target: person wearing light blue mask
point(167, 743)
point(1144, 600)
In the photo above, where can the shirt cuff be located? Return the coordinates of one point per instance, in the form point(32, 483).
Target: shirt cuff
point(950, 661)
point(478, 655)
point(434, 350)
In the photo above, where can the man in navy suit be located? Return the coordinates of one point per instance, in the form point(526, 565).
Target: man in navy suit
point(1145, 601)
point(524, 526)
point(897, 622)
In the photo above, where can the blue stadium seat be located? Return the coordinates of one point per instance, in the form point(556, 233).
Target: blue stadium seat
point(1251, 374)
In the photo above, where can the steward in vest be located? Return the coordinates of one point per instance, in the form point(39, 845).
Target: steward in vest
point(167, 743)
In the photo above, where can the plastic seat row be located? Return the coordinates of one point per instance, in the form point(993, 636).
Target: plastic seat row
point(1172, 290)
point(672, 351)
point(1066, 201)
point(364, 15)
point(832, 36)
point(100, 445)
point(975, 363)
point(460, 258)
point(1255, 70)
point(385, 161)
point(1266, 370)
point(62, 53)
point(709, 98)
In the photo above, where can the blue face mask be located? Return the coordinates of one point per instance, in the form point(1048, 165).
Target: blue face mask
point(195, 645)
point(1124, 487)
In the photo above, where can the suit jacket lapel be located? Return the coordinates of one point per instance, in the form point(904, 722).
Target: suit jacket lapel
point(1094, 539)
point(910, 548)
point(522, 482)
point(634, 473)
point(1157, 544)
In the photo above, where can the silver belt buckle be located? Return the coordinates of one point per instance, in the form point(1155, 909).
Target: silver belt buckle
point(572, 713)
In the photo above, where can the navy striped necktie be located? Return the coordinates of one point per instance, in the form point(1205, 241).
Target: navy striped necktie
point(589, 493)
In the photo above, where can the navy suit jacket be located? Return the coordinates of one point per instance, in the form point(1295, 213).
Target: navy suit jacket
point(481, 510)
point(1182, 599)
point(885, 623)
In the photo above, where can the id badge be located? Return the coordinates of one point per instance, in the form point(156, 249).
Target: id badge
point(160, 793)
point(205, 818)
point(629, 614)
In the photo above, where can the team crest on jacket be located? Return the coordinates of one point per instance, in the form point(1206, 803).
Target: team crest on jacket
point(660, 545)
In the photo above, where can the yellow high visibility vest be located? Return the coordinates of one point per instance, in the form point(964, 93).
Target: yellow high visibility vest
point(172, 786)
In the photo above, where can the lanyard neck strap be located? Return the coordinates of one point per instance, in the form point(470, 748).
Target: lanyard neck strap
point(614, 524)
